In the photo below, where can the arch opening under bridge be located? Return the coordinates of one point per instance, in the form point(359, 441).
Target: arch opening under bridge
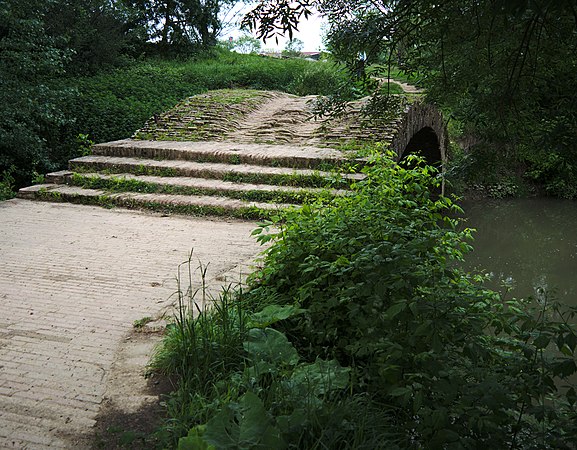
point(422, 131)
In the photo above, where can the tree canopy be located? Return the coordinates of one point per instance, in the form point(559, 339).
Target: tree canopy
point(505, 68)
point(42, 42)
point(182, 23)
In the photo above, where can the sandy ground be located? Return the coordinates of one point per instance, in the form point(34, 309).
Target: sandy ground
point(74, 280)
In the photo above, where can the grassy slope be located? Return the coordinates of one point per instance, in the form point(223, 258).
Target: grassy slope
point(113, 105)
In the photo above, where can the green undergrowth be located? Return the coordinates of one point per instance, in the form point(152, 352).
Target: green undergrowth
point(122, 184)
point(361, 331)
point(7, 185)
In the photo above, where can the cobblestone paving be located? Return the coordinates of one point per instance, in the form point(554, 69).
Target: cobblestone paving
point(73, 279)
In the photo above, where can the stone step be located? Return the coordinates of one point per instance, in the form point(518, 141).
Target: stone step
point(307, 157)
point(227, 172)
point(167, 203)
point(191, 186)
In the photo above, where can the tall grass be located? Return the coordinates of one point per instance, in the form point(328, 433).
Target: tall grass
point(232, 372)
point(201, 348)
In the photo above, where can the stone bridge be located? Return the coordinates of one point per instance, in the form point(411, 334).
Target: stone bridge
point(240, 153)
point(421, 130)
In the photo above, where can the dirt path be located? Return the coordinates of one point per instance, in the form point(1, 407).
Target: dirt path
point(409, 88)
point(284, 119)
point(74, 279)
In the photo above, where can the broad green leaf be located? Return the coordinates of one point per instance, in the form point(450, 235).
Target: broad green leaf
point(542, 341)
point(401, 391)
point(243, 425)
point(396, 309)
point(565, 368)
point(194, 440)
point(321, 377)
point(256, 429)
point(296, 420)
point(222, 431)
point(272, 314)
point(271, 346)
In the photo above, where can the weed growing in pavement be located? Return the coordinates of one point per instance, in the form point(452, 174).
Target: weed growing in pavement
point(202, 347)
point(314, 180)
point(109, 201)
point(114, 169)
point(140, 323)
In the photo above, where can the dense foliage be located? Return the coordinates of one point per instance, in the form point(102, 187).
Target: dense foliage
point(360, 331)
point(178, 25)
point(29, 59)
point(504, 68)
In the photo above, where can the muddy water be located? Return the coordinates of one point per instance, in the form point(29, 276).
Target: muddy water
point(528, 243)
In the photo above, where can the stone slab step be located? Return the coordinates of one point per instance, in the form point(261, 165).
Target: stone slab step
point(196, 169)
point(183, 204)
point(226, 152)
point(200, 184)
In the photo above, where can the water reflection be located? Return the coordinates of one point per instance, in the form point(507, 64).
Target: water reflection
point(530, 244)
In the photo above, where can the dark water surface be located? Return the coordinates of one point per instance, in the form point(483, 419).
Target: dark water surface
point(530, 243)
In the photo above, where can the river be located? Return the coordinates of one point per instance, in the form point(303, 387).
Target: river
point(530, 244)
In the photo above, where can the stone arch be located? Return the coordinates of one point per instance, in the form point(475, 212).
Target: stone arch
point(424, 143)
point(422, 130)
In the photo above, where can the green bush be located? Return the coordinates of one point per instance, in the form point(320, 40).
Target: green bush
point(7, 184)
point(401, 349)
point(458, 365)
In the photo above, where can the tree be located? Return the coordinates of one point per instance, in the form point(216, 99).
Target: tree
point(29, 114)
point(293, 48)
point(182, 24)
point(246, 44)
point(40, 43)
point(95, 33)
point(505, 68)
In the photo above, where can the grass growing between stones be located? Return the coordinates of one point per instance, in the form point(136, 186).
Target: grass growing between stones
point(121, 184)
point(312, 180)
point(116, 200)
point(360, 331)
point(203, 117)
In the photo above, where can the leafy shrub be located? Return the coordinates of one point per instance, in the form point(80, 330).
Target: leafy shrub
point(455, 364)
point(7, 184)
point(363, 299)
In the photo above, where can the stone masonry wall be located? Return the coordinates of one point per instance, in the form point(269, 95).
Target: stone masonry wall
point(418, 116)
